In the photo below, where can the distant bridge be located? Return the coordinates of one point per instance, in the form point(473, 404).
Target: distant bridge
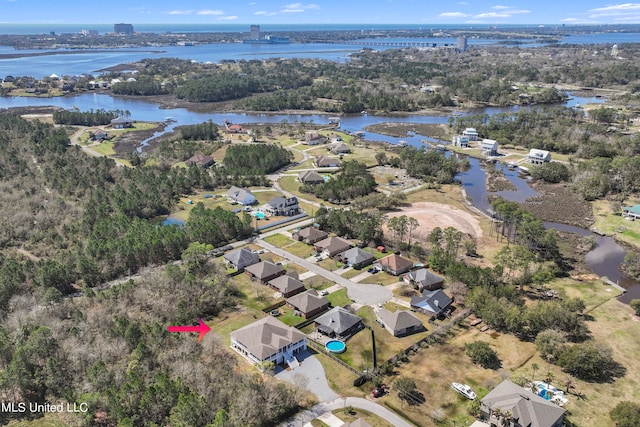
point(386, 43)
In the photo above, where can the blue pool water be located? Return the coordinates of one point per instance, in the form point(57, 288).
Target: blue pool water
point(335, 346)
point(258, 215)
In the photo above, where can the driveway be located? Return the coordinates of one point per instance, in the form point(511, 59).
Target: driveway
point(359, 292)
point(310, 376)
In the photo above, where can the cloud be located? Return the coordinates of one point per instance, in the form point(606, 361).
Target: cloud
point(463, 3)
point(502, 12)
point(489, 15)
point(181, 12)
point(620, 10)
point(299, 7)
point(253, 3)
point(228, 18)
point(265, 13)
point(210, 12)
point(453, 15)
point(500, 7)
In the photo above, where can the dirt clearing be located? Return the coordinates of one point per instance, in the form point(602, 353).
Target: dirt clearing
point(431, 215)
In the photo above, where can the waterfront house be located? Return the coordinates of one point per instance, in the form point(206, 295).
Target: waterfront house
point(423, 279)
point(309, 235)
point(632, 212)
point(395, 264)
point(199, 160)
point(340, 148)
point(332, 246)
point(339, 322)
point(264, 271)
point(241, 258)
point(235, 128)
point(288, 286)
point(538, 157)
point(312, 137)
point(461, 141)
point(268, 340)
point(356, 257)
point(240, 196)
point(433, 303)
point(308, 304)
point(489, 147)
point(310, 177)
point(282, 206)
point(121, 123)
point(399, 323)
point(470, 133)
point(326, 162)
point(99, 135)
point(525, 408)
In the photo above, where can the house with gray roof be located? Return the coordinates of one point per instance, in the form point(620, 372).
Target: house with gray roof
point(339, 322)
point(310, 177)
point(525, 408)
point(395, 264)
point(538, 157)
point(268, 340)
point(309, 235)
point(121, 123)
point(308, 304)
point(332, 246)
point(423, 279)
point(288, 286)
point(240, 196)
point(282, 206)
point(434, 303)
point(356, 257)
point(241, 258)
point(312, 137)
point(340, 148)
point(264, 271)
point(400, 322)
point(326, 162)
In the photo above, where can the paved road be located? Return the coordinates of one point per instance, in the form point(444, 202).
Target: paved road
point(361, 293)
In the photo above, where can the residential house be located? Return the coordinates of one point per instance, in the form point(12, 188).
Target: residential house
point(339, 322)
point(312, 137)
point(395, 264)
point(538, 157)
point(282, 206)
point(99, 135)
point(308, 304)
point(241, 196)
point(236, 129)
point(264, 271)
point(356, 257)
point(199, 160)
point(400, 322)
point(470, 133)
point(288, 286)
point(335, 139)
point(340, 148)
point(632, 212)
point(309, 235)
point(434, 303)
point(510, 405)
point(241, 258)
point(268, 340)
point(424, 279)
point(310, 177)
point(461, 141)
point(326, 162)
point(332, 246)
point(121, 123)
point(489, 147)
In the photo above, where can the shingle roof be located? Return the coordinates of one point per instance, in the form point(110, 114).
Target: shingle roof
point(433, 301)
point(242, 258)
point(307, 301)
point(240, 194)
point(396, 262)
point(264, 269)
point(398, 320)
point(425, 277)
point(199, 159)
point(286, 284)
point(310, 176)
point(528, 408)
point(357, 256)
point(312, 233)
point(338, 320)
point(334, 245)
point(323, 161)
point(267, 336)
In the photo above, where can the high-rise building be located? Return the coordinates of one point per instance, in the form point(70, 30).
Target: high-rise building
point(123, 29)
point(254, 32)
point(461, 44)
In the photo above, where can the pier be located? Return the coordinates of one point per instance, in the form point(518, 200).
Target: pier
point(606, 281)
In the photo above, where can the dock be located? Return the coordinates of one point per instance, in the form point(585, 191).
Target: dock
point(606, 281)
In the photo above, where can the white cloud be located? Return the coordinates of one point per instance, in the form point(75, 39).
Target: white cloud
point(253, 3)
point(619, 10)
point(500, 7)
point(228, 18)
point(265, 13)
point(463, 3)
point(502, 12)
point(453, 15)
point(299, 7)
point(210, 12)
point(181, 12)
point(492, 15)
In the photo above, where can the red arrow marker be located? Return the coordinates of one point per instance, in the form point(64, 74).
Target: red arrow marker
point(202, 328)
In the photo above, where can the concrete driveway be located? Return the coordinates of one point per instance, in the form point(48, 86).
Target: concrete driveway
point(309, 375)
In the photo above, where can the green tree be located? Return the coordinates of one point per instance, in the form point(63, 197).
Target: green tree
point(551, 343)
point(626, 414)
point(635, 304)
point(590, 361)
point(483, 355)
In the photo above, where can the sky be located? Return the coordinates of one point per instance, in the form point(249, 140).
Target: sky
point(265, 12)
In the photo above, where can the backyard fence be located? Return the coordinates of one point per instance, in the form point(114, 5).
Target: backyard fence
point(282, 221)
point(319, 347)
point(272, 307)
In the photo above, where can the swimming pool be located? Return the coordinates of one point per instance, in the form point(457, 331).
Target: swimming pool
point(335, 346)
point(258, 214)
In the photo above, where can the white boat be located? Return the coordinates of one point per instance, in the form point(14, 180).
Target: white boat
point(464, 390)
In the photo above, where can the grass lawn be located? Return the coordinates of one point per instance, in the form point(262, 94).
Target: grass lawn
point(256, 296)
point(278, 240)
point(330, 264)
point(318, 283)
point(264, 196)
point(608, 223)
point(353, 273)
point(339, 298)
point(372, 419)
point(383, 278)
point(104, 148)
point(289, 183)
point(340, 379)
point(50, 420)
point(300, 249)
point(287, 317)
point(376, 253)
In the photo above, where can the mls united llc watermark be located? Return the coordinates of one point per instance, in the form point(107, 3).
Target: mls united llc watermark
point(38, 408)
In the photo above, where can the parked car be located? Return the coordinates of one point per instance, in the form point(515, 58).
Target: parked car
point(372, 270)
point(379, 391)
point(324, 293)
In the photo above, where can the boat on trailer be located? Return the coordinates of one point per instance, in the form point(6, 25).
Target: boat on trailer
point(464, 390)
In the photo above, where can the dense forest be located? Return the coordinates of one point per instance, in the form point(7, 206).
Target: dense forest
point(353, 180)
point(255, 159)
point(84, 118)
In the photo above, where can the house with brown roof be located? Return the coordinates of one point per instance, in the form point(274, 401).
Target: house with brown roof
point(312, 137)
point(423, 279)
point(526, 409)
point(395, 264)
point(340, 148)
point(199, 160)
point(288, 286)
point(268, 340)
point(236, 129)
point(310, 177)
point(332, 246)
point(400, 322)
point(264, 271)
point(326, 162)
point(308, 304)
point(309, 235)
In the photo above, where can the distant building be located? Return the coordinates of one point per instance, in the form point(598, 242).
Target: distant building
point(264, 271)
point(340, 148)
point(471, 133)
point(489, 147)
point(282, 206)
point(288, 286)
point(123, 29)
point(241, 196)
point(632, 212)
point(395, 264)
point(461, 141)
point(424, 279)
point(538, 157)
point(332, 246)
point(327, 162)
point(310, 177)
point(121, 123)
point(241, 258)
point(356, 257)
point(461, 44)
point(200, 160)
point(312, 137)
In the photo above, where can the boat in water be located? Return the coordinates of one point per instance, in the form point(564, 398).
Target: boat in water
point(464, 390)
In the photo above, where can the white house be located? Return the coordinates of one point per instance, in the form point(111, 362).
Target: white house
point(538, 157)
point(471, 133)
point(489, 147)
point(461, 141)
point(268, 340)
